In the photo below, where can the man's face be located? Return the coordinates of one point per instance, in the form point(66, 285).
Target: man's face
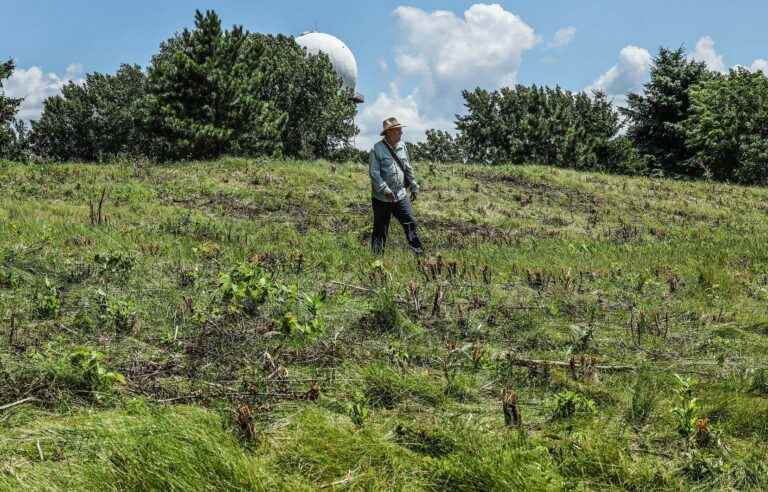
point(394, 135)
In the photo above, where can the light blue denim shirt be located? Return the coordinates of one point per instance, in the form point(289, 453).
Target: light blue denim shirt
point(386, 175)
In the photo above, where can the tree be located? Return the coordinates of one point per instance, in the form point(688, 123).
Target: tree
point(212, 91)
point(8, 108)
point(94, 120)
point(727, 126)
point(539, 125)
point(655, 117)
point(202, 96)
point(320, 112)
point(439, 146)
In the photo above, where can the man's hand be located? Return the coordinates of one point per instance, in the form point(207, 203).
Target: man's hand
point(414, 195)
point(391, 197)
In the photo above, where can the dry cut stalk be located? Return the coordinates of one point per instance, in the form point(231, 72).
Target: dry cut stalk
point(532, 363)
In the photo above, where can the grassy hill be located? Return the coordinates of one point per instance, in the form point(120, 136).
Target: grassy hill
point(223, 326)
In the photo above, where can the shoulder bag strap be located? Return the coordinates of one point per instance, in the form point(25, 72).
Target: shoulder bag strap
point(399, 162)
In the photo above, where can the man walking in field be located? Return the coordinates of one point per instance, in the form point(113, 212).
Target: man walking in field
point(391, 176)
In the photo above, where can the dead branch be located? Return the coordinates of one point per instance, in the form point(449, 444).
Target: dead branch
point(16, 403)
point(535, 364)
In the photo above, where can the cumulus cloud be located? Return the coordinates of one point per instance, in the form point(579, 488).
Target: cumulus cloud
point(35, 87)
point(404, 108)
point(441, 53)
point(759, 65)
point(628, 75)
point(563, 37)
point(484, 47)
point(705, 52)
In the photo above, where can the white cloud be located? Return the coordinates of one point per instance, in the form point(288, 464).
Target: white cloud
point(705, 52)
point(383, 65)
point(404, 108)
point(438, 55)
point(485, 47)
point(35, 87)
point(760, 65)
point(563, 37)
point(627, 75)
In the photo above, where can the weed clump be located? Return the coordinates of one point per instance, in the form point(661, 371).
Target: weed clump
point(385, 387)
point(567, 403)
point(426, 440)
point(644, 397)
point(386, 316)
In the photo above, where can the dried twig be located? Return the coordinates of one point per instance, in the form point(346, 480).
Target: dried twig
point(532, 363)
point(355, 287)
point(16, 403)
point(343, 481)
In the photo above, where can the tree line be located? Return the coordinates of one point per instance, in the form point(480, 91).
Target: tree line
point(207, 92)
point(688, 121)
point(210, 91)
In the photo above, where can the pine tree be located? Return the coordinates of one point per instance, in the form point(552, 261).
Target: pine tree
point(8, 108)
point(655, 118)
point(202, 96)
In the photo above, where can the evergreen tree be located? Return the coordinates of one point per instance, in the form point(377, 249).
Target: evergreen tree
point(8, 108)
point(212, 92)
point(94, 120)
point(727, 127)
point(655, 118)
point(203, 97)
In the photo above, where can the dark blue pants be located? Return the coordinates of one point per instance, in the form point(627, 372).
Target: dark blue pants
point(382, 213)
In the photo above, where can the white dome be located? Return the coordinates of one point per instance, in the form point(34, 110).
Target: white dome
point(342, 59)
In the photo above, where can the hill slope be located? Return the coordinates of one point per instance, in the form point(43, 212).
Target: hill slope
point(224, 325)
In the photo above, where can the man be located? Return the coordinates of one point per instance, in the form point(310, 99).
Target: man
point(391, 175)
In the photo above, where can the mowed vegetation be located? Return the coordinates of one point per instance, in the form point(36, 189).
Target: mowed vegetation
point(223, 326)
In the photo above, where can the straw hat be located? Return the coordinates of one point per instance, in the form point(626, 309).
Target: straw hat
point(391, 123)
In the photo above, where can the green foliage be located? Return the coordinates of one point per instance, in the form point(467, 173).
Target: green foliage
point(686, 413)
point(431, 441)
point(385, 387)
point(8, 108)
point(212, 91)
point(439, 146)
point(759, 383)
point(727, 127)
point(548, 238)
point(539, 124)
point(47, 300)
point(173, 448)
point(567, 403)
point(305, 88)
point(117, 313)
point(201, 99)
point(86, 371)
point(92, 121)
point(644, 398)
point(386, 315)
point(114, 265)
point(245, 288)
point(308, 325)
point(656, 117)
point(357, 409)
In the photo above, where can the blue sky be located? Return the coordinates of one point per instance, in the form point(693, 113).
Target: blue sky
point(413, 57)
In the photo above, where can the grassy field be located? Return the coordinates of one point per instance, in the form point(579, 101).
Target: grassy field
point(223, 326)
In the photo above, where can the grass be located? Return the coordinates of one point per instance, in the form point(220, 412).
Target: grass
point(225, 326)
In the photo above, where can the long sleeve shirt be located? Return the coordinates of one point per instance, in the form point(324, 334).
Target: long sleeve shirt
point(386, 175)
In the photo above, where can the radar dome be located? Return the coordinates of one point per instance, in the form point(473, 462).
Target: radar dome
point(341, 56)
